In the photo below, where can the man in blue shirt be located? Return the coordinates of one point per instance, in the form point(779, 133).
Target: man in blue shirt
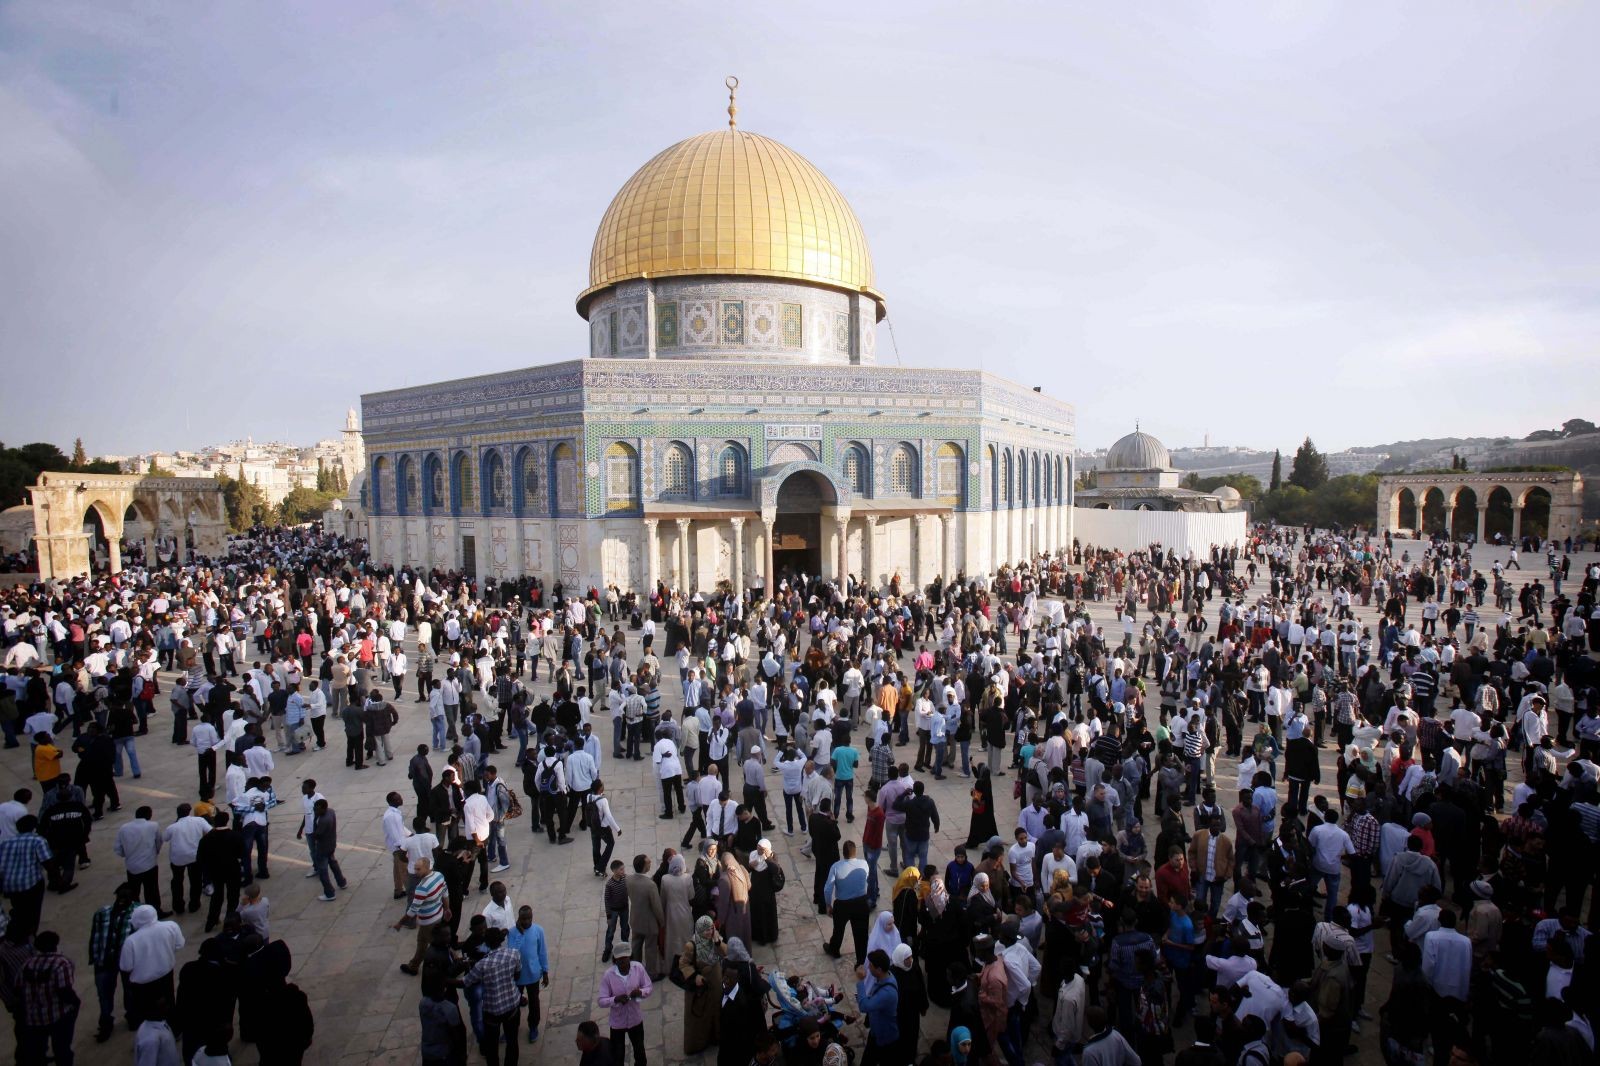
point(527, 940)
point(845, 893)
point(879, 997)
point(845, 758)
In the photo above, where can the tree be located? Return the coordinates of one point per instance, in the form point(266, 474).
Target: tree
point(1086, 480)
point(303, 505)
point(1276, 481)
point(1310, 470)
point(80, 458)
point(1247, 485)
point(1577, 427)
point(324, 483)
point(157, 471)
point(246, 503)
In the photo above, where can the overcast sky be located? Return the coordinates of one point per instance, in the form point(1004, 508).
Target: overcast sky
point(1362, 221)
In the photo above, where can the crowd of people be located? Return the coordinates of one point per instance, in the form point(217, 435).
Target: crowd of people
point(1124, 900)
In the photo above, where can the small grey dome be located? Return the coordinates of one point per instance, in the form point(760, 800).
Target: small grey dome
point(1138, 451)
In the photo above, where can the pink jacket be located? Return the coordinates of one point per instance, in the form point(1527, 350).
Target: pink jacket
point(614, 988)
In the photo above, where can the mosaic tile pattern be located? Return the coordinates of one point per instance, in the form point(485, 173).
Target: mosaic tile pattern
point(793, 337)
point(732, 322)
point(667, 324)
point(763, 323)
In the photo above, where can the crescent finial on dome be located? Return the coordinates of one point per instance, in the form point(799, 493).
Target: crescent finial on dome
point(732, 82)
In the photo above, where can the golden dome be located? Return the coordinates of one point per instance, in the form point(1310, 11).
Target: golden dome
point(730, 202)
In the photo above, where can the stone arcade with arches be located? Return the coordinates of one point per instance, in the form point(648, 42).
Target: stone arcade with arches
point(80, 521)
point(1461, 502)
point(731, 423)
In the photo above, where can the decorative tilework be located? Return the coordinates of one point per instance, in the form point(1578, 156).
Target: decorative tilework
point(632, 328)
point(763, 323)
point(666, 325)
point(732, 321)
point(612, 331)
point(841, 332)
point(699, 323)
point(792, 335)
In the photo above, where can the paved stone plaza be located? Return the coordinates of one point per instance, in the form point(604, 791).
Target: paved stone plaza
point(346, 955)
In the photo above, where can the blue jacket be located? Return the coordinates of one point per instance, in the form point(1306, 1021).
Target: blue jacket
point(880, 1002)
point(530, 945)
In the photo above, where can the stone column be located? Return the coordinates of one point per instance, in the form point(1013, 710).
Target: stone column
point(947, 541)
point(652, 564)
point(683, 557)
point(738, 555)
point(767, 522)
point(1516, 523)
point(113, 555)
point(869, 569)
point(842, 527)
point(1483, 520)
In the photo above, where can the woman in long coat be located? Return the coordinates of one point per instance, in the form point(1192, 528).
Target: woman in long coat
point(733, 900)
point(697, 970)
point(983, 825)
point(677, 902)
point(766, 881)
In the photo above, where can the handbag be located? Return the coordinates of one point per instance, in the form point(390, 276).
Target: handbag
point(513, 804)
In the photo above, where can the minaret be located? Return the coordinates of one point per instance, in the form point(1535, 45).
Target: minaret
point(352, 450)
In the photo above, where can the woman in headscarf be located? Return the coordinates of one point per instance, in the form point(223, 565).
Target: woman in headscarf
point(766, 881)
point(904, 903)
point(913, 1002)
point(1060, 889)
point(705, 878)
point(698, 971)
point(981, 906)
point(884, 936)
point(738, 956)
point(733, 900)
point(961, 1045)
point(942, 940)
point(677, 902)
point(983, 825)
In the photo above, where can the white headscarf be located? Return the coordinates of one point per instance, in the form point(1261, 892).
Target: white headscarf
point(884, 936)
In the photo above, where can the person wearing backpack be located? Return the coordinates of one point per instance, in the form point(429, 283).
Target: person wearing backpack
point(551, 777)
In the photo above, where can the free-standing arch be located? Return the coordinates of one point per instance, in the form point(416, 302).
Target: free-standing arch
point(65, 503)
point(1502, 499)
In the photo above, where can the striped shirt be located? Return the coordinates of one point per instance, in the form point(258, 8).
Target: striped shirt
point(428, 899)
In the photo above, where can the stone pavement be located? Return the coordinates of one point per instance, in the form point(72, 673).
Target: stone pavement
point(346, 955)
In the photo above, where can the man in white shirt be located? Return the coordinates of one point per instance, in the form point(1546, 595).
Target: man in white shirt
point(669, 772)
point(395, 832)
point(148, 957)
point(1329, 846)
point(182, 838)
point(1447, 959)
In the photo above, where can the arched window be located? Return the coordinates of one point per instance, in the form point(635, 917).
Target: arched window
point(677, 473)
point(857, 469)
point(622, 478)
point(437, 491)
point(463, 486)
point(903, 480)
point(382, 490)
point(1005, 476)
point(1022, 479)
point(950, 474)
point(564, 479)
point(1034, 495)
point(730, 471)
point(405, 486)
point(497, 493)
point(528, 499)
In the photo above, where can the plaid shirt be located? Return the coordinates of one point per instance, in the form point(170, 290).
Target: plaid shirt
point(498, 972)
point(882, 763)
point(1364, 835)
point(106, 936)
point(1344, 708)
point(22, 860)
point(47, 993)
